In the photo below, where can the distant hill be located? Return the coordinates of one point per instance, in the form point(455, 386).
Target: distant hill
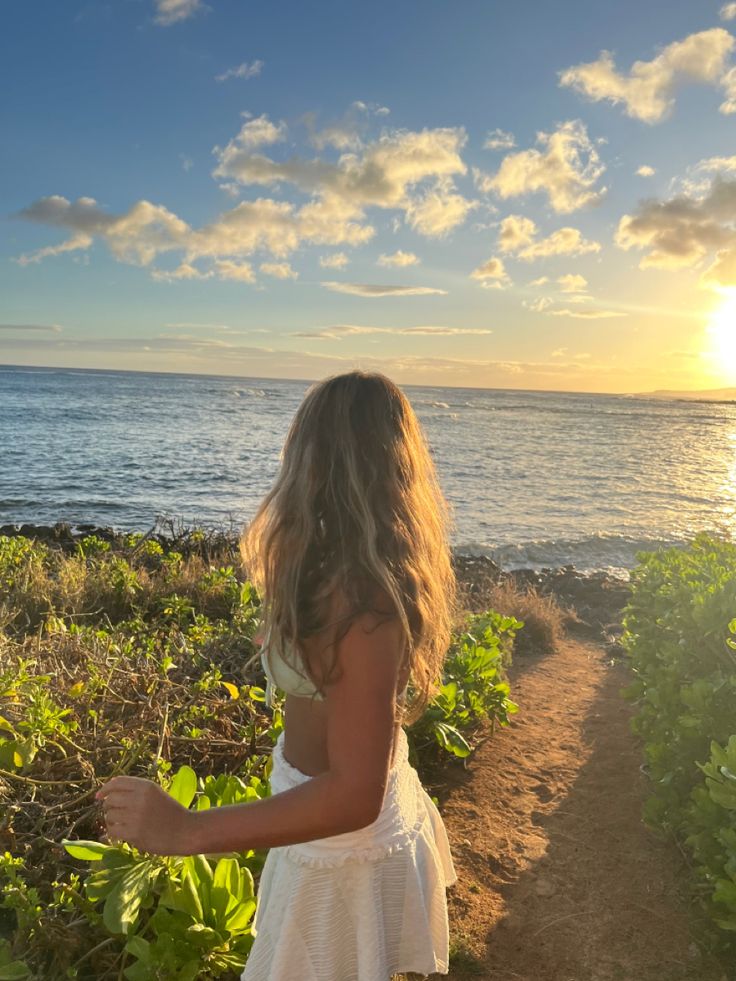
point(706, 395)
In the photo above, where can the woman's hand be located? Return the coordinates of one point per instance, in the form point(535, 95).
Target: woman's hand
point(141, 813)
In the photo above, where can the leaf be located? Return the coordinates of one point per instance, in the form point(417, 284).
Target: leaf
point(14, 971)
point(88, 851)
point(238, 920)
point(451, 740)
point(184, 786)
point(227, 875)
point(4, 724)
point(139, 947)
point(123, 903)
point(77, 689)
point(234, 693)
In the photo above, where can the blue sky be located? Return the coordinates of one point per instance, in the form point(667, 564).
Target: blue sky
point(451, 193)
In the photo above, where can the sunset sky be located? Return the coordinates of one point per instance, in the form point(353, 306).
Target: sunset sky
point(475, 193)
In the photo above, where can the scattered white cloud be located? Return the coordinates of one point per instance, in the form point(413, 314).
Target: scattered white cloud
point(338, 260)
point(78, 241)
point(439, 210)
point(716, 165)
point(542, 281)
point(339, 331)
point(146, 231)
point(728, 11)
point(587, 314)
point(647, 89)
point(518, 237)
point(279, 270)
point(186, 162)
point(728, 106)
point(171, 11)
point(184, 270)
point(573, 283)
point(375, 289)
point(566, 169)
point(243, 70)
point(241, 272)
point(491, 274)
point(384, 174)
point(516, 233)
point(188, 324)
point(645, 171)
point(35, 328)
point(539, 305)
point(684, 230)
point(499, 139)
point(254, 133)
point(398, 258)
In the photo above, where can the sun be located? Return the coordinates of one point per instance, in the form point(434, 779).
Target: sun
point(722, 329)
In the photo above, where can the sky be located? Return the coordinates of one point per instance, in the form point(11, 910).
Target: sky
point(482, 194)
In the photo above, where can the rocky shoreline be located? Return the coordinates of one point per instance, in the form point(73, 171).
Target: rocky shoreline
point(596, 598)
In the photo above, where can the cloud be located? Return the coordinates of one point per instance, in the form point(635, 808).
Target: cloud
point(728, 11)
point(171, 11)
point(243, 70)
point(498, 139)
point(408, 171)
point(684, 230)
point(491, 273)
point(43, 328)
point(371, 289)
point(566, 169)
point(573, 283)
point(254, 133)
point(438, 211)
point(398, 258)
point(80, 241)
point(279, 270)
point(542, 281)
point(338, 260)
point(716, 165)
point(728, 107)
point(518, 236)
point(184, 270)
point(146, 230)
point(384, 174)
point(516, 232)
point(339, 331)
point(647, 89)
point(646, 171)
point(587, 314)
point(241, 272)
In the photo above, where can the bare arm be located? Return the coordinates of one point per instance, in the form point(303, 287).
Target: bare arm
point(360, 729)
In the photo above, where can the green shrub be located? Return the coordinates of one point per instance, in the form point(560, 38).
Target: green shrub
point(676, 633)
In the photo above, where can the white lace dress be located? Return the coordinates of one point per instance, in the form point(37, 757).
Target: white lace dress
point(359, 906)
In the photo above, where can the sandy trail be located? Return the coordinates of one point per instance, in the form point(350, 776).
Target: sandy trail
point(559, 878)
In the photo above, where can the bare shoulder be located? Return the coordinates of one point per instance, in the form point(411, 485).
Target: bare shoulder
point(372, 636)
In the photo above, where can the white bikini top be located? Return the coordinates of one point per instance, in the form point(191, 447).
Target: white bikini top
point(289, 677)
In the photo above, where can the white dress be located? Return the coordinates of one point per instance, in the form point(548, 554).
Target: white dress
point(359, 906)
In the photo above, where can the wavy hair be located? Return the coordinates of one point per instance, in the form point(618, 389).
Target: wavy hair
point(356, 510)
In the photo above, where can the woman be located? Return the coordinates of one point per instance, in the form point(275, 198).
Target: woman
point(349, 552)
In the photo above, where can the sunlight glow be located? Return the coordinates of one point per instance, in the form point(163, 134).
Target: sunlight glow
point(722, 329)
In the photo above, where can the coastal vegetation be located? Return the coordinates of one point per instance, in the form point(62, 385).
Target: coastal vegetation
point(678, 632)
point(134, 654)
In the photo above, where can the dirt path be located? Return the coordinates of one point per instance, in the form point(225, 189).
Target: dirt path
point(559, 878)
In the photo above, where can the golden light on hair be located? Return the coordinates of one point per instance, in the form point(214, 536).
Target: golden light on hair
point(356, 512)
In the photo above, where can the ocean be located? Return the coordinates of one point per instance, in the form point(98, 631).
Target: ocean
point(535, 479)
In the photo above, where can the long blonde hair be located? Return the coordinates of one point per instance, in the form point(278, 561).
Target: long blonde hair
point(356, 508)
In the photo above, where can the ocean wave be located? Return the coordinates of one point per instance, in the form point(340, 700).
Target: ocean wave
point(609, 552)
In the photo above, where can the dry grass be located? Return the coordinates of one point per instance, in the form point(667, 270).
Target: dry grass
point(544, 618)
